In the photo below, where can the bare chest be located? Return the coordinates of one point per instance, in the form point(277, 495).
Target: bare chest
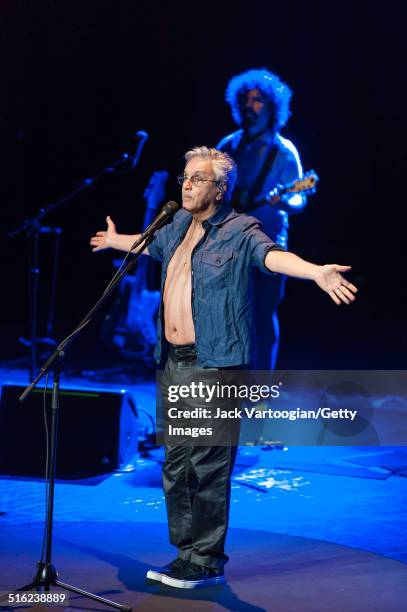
point(181, 260)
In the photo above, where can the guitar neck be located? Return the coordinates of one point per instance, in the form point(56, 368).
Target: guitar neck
point(303, 185)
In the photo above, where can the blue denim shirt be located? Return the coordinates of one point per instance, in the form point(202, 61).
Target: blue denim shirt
point(222, 302)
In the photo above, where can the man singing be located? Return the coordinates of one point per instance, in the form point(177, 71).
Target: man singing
point(208, 252)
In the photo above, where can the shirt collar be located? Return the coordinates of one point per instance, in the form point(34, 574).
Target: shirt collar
point(221, 213)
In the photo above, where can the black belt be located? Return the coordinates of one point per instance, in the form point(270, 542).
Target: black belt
point(183, 352)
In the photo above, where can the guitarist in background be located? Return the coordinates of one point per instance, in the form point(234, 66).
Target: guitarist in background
point(259, 102)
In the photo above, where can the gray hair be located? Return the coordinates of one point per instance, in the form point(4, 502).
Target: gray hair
point(223, 165)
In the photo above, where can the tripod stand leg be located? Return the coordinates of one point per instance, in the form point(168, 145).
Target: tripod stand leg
point(27, 587)
point(36, 586)
point(108, 602)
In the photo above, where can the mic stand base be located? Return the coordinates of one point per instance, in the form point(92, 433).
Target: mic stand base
point(47, 576)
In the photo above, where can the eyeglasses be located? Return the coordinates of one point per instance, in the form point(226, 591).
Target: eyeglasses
point(195, 180)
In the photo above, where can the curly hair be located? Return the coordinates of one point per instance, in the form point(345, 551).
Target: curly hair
point(223, 165)
point(276, 92)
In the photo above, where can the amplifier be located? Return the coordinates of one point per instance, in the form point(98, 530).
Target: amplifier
point(97, 431)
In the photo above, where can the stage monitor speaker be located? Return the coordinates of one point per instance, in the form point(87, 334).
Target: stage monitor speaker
point(97, 432)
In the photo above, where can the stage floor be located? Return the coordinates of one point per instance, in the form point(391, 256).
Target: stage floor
point(310, 528)
point(267, 572)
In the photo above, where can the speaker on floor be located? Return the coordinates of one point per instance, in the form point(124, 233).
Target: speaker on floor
point(97, 431)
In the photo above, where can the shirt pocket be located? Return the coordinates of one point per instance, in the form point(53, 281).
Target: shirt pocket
point(217, 269)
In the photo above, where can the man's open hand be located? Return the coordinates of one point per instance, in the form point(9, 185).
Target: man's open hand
point(104, 240)
point(330, 279)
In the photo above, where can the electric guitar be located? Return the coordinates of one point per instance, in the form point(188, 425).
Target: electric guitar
point(131, 325)
point(307, 184)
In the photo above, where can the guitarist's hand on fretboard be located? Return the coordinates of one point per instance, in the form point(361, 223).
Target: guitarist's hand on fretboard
point(303, 185)
point(267, 199)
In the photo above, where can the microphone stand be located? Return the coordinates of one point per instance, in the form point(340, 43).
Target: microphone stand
point(46, 574)
point(32, 228)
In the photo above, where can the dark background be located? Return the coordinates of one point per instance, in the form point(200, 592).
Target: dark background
point(81, 77)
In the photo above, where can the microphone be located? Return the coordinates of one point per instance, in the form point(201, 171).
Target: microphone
point(168, 210)
point(141, 137)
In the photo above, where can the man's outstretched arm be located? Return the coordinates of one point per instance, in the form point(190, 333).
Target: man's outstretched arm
point(328, 277)
point(110, 239)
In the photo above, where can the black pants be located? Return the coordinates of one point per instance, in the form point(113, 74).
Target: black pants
point(196, 482)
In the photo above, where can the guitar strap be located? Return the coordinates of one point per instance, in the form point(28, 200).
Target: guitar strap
point(243, 199)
